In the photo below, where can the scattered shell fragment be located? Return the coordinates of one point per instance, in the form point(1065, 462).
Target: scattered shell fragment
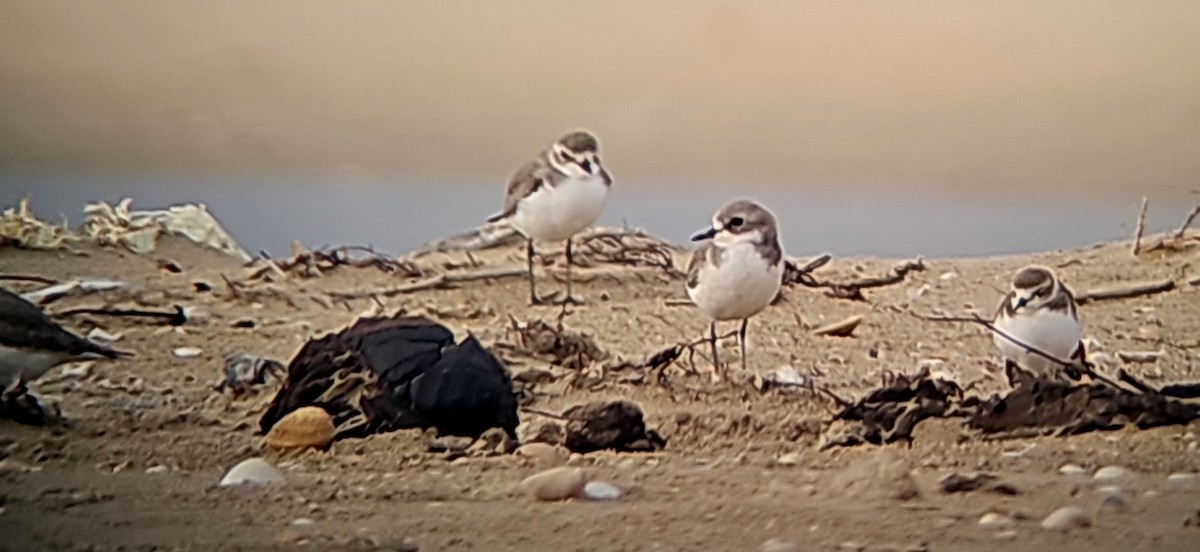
point(1066, 519)
point(253, 471)
point(1112, 476)
point(1113, 497)
point(555, 484)
point(157, 469)
point(845, 328)
point(1072, 470)
point(187, 352)
point(601, 491)
point(994, 520)
point(306, 427)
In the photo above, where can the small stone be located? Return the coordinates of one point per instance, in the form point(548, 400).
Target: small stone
point(778, 545)
point(1066, 519)
point(957, 483)
point(789, 459)
point(187, 352)
point(291, 536)
point(1113, 498)
point(1182, 481)
point(305, 427)
point(1072, 470)
point(851, 546)
point(1008, 535)
point(994, 520)
point(555, 484)
point(948, 276)
point(600, 491)
point(1112, 475)
point(253, 471)
point(542, 453)
point(157, 469)
point(451, 444)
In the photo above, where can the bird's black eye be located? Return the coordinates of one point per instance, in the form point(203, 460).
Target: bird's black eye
point(736, 222)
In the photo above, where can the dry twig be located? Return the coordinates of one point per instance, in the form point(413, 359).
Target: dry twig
point(435, 282)
point(28, 278)
point(849, 290)
point(1125, 291)
point(175, 318)
point(1187, 222)
point(627, 248)
point(1141, 228)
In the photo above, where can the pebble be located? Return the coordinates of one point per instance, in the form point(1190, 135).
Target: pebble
point(994, 520)
point(1072, 470)
point(852, 546)
point(601, 491)
point(253, 471)
point(187, 352)
point(544, 453)
point(1182, 480)
point(1006, 535)
point(303, 522)
point(778, 545)
point(1112, 476)
point(1113, 498)
point(1066, 519)
point(555, 484)
point(789, 459)
point(157, 469)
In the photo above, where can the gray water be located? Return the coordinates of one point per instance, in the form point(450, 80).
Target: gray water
point(397, 216)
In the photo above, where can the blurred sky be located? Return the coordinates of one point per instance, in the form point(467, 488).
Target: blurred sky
point(1065, 100)
point(974, 94)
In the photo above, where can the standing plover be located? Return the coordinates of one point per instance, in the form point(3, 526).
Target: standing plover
point(555, 195)
point(737, 271)
point(31, 344)
point(1040, 312)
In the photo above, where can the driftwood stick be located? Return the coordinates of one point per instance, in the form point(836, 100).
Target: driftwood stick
point(1083, 365)
point(28, 278)
point(1140, 229)
point(176, 318)
point(1125, 291)
point(1187, 222)
point(439, 281)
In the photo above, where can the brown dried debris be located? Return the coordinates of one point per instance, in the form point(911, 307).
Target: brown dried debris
point(307, 263)
point(626, 248)
point(852, 290)
point(556, 344)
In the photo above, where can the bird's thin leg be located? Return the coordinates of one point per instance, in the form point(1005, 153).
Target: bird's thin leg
point(742, 341)
point(529, 252)
point(570, 300)
point(712, 338)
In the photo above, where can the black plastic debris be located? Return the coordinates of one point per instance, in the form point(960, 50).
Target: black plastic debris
point(616, 425)
point(384, 374)
point(1044, 405)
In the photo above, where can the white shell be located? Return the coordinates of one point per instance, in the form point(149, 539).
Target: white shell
point(253, 471)
point(1112, 475)
point(601, 491)
point(187, 352)
point(1066, 518)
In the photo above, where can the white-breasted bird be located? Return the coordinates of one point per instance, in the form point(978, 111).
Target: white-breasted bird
point(738, 270)
point(555, 195)
point(1040, 311)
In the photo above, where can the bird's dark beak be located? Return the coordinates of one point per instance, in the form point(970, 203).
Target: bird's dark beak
point(705, 235)
point(1022, 302)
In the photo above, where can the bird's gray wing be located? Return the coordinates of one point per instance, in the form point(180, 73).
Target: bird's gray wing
point(23, 325)
point(526, 180)
point(699, 257)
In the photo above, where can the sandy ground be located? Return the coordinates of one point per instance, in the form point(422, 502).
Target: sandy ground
point(742, 470)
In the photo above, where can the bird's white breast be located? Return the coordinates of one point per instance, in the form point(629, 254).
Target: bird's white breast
point(1054, 332)
point(555, 213)
point(743, 284)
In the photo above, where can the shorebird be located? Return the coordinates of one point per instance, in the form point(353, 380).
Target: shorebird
point(738, 269)
point(31, 344)
point(1040, 312)
point(555, 195)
